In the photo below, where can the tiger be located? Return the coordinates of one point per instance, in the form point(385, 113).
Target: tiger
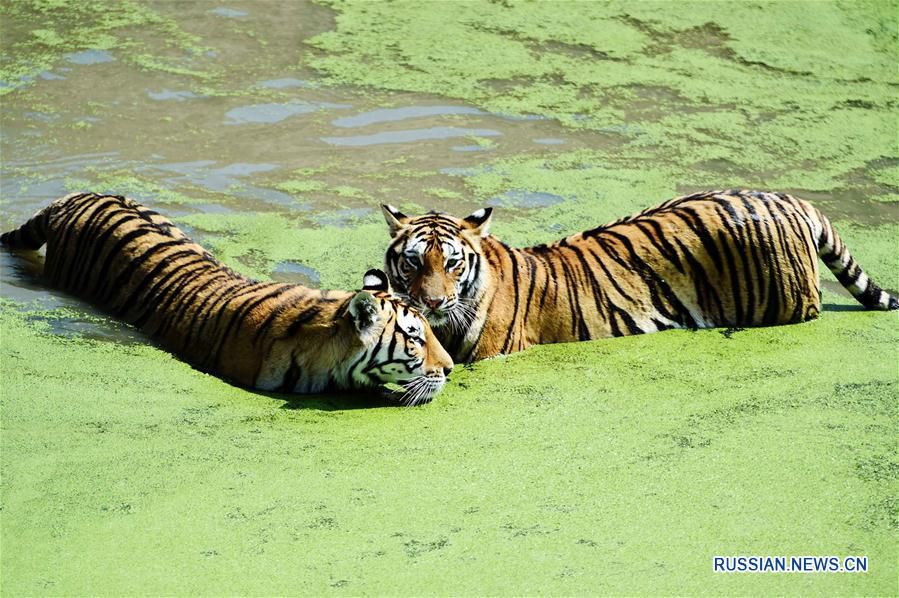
point(734, 258)
point(137, 265)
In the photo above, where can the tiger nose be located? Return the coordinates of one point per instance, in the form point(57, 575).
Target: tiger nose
point(432, 302)
point(446, 371)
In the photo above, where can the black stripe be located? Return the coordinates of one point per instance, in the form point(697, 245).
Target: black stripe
point(186, 300)
point(703, 284)
point(694, 223)
point(216, 307)
point(532, 274)
point(291, 377)
point(96, 250)
point(579, 324)
point(151, 301)
point(149, 278)
point(659, 241)
point(105, 289)
point(89, 254)
point(656, 284)
point(507, 344)
point(64, 228)
point(240, 313)
point(172, 293)
point(734, 281)
point(84, 237)
point(598, 294)
point(279, 309)
point(608, 274)
point(301, 320)
point(121, 280)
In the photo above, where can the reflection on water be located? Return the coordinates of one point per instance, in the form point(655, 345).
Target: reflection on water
point(471, 148)
point(521, 198)
point(410, 135)
point(285, 83)
point(202, 174)
point(273, 113)
point(223, 11)
point(381, 115)
point(90, 57)
point(167, 94)
point(295, 273)
point(50, 76)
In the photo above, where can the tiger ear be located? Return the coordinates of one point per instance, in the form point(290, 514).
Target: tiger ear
point(479, 222)
point(364, 311)
point(375, 280)
point(396, 220)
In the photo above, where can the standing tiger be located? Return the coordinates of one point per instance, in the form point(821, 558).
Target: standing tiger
point(718, 258)
point(134, 263)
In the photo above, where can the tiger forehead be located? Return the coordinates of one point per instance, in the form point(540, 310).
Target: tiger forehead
point(433, 230)
point(410, 322)
point(402, 309)
point(436, 222)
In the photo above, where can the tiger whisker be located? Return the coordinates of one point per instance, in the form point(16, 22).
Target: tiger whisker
point(419, 390)
point(414, 389)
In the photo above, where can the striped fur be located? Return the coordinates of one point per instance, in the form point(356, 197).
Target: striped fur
point(137, 265)
point(719, 258)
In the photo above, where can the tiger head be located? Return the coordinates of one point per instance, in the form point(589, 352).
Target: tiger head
point(399, 345)
point(436, 261)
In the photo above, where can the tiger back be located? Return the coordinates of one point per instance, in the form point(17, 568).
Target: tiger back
point(717, 258)
point(138, 266)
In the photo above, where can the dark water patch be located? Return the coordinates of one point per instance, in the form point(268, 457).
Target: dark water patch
point(396, 114)
point(521, 198)
point(90, 57)
point(296, 273)
point(409, 136)
point(273, 113)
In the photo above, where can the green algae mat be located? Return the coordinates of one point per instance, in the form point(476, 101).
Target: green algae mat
point(271, 132)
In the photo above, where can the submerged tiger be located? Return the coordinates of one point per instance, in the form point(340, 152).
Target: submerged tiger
point(135, 264)
point(718, 258)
